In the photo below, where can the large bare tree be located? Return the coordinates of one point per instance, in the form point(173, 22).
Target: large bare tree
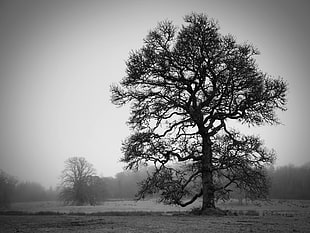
point(186, 87)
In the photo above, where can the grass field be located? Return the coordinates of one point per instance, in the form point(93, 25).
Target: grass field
point(150, 216)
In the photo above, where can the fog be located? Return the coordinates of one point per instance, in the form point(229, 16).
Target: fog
point(286, 182)
point(59, 58)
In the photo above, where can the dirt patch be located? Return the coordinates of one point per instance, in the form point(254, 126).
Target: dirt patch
point(197, 224)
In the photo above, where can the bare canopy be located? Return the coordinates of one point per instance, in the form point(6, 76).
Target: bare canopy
point(79, 183)
point(185, 86)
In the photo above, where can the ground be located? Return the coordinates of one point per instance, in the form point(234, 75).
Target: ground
point(197, 224)
point(274, 216)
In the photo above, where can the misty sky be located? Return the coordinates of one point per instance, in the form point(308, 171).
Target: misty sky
point(59, 58)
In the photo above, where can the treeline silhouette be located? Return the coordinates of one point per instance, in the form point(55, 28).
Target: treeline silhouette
point(32, 191)
point(290, 182)
point(124, 185)
point(12, 190)
point(287, 182)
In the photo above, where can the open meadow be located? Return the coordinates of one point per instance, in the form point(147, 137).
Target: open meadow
point(150, 216)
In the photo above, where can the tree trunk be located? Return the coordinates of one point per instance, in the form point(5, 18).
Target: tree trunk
point(207, 176)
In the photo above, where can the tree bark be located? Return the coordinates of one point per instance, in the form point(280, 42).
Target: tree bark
point(207, 176)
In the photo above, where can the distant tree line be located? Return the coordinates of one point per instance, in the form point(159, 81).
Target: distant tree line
point(7, 185)
point(124, 185)
point(290, 182)
point(287, 182)
point(12, 190)
point(32, 191)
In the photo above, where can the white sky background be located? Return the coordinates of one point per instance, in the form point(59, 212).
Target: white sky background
point(59, 58)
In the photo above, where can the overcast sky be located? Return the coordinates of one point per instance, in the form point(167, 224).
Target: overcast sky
point(59, 58)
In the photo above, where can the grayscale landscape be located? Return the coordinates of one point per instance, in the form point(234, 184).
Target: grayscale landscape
point(154, 116)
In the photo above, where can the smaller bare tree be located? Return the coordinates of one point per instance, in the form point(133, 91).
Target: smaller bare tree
point(76, 182)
